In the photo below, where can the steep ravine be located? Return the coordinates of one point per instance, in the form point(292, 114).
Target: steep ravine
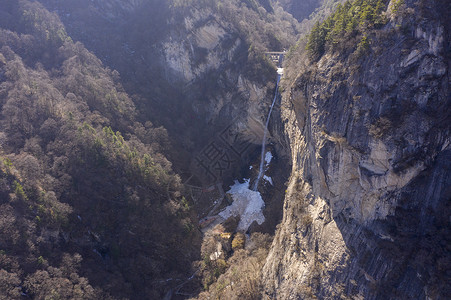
point(366, 213)
point(193, 67)
point(367, 209)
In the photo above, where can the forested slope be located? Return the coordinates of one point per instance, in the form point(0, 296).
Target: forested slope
point(90, 207)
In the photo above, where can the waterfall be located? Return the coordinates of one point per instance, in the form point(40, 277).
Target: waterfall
point(261, 171)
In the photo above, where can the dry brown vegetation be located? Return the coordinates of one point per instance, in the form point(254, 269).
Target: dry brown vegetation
point(90, 207)
point(237, 275)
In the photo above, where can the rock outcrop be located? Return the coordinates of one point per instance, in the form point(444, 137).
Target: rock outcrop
point(367, 209)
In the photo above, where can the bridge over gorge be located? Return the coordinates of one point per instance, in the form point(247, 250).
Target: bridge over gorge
point(275, 57)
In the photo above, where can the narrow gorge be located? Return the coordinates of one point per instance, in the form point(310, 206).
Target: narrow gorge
point(236, 149)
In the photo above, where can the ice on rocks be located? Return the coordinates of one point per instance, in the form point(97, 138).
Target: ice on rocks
point(268, 157)
point(247, 204)
point(267, 178)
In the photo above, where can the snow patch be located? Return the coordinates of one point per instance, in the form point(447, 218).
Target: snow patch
point(247, 204)
point(268, 157)
point(267, 178)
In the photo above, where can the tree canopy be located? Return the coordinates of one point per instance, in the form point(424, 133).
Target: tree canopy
point(349, 19)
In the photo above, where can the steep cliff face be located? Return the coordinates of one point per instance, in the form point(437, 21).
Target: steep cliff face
point(208, 58)
point(367, 210)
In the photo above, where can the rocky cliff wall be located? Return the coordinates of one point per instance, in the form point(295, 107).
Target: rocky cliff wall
point(367, 209)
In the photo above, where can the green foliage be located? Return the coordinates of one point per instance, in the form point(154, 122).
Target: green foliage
point(349, 19)
point(8, 164)
point(363, 45)
point(396, 5)
point(19, 191)
point(44, 24)
point(113, 137)
point(185, 204)
point(238, 241)
point(316, 41)
point(41, 260)
point(188, 227)
point(51, 211)
point(220, 267)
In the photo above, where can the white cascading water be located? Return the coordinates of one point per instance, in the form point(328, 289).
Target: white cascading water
point(262, 158)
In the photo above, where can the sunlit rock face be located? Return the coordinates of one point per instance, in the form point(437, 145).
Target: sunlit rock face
point(201, 49)
point(367, 209)
point(194, 57)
